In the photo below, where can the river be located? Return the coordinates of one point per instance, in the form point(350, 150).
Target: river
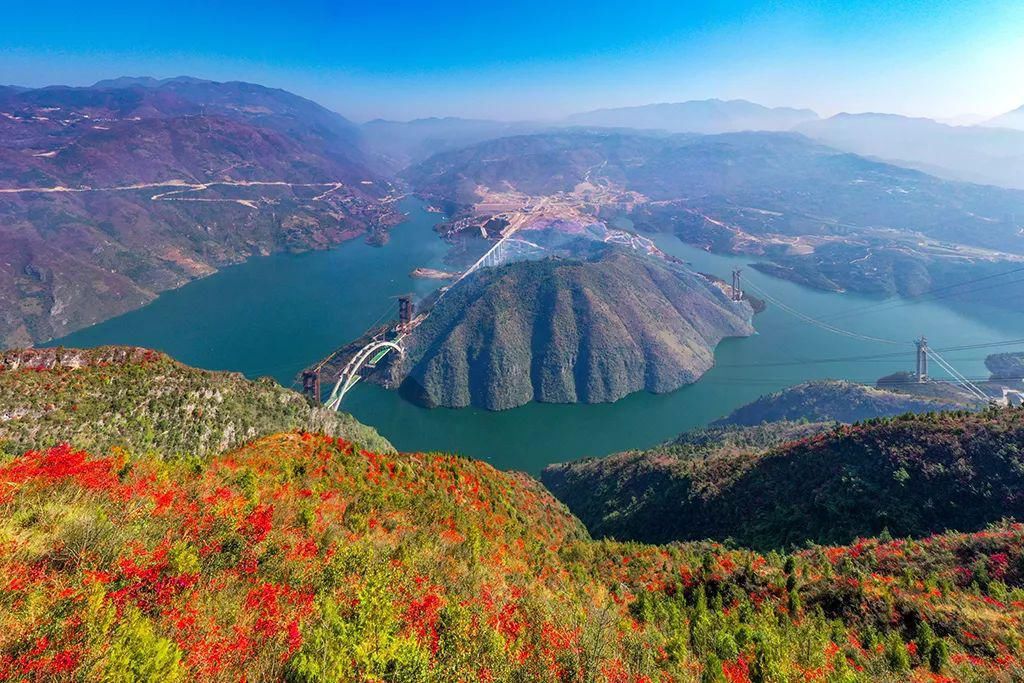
point(275, 315)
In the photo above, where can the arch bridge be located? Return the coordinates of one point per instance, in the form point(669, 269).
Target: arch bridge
point(367, 356)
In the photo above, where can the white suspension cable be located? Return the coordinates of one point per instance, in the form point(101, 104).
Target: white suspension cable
point(958, 376)
point(819, 323)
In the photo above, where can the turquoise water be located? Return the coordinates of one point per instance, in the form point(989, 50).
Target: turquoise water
point(275, 315)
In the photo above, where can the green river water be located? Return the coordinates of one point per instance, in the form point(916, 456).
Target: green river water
point(275, 315)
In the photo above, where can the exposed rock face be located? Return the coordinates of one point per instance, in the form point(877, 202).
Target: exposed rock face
point(48, 359)
point(559, 331)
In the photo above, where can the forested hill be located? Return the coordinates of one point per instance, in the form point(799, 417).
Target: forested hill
point(114, 193)
point(825, 400)
point(144, 401)
point(911, 475)
point(300, 557)
point(589, 330)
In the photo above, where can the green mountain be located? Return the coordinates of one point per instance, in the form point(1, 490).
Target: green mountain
point(144, 401)
point(841, 401)
point(912, 475)
point(568, 331)
point(300, 557)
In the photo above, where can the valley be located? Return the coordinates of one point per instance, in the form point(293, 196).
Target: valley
point(484, 343)
point(228, 182)
point(804, 212)
point(312, 302)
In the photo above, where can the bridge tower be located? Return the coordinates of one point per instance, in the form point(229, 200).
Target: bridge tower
point(311, 384)
point(406, 311)
point(737, 293)
point(922, 359)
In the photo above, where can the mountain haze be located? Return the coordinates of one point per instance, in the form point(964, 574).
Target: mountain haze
point(735, 189)
point(697, 116)
point(972, 153)
point(400, 144)
point(1012, 119)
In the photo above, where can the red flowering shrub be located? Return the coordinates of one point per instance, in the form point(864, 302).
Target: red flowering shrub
point(298, 557)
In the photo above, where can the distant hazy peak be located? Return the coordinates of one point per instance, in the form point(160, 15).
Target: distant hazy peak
point(1011, 119)
point(710, 102)
point(698, 116)
point(145, 81)
point(980, 154)
point(433, 120)
point(881, 116)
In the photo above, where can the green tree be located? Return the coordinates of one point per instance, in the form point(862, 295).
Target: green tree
point(896, 655)
point(712, 672)
point(138, 655)
point(938, 658)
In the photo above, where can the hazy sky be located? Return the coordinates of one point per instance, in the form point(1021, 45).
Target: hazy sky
point(535, 59)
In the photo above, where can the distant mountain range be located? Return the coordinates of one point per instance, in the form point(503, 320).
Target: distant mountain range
point(976, 154)
point(112, 193)
point(733, 190)
point(1013, 119)
point(697, 116)
point(990, 154)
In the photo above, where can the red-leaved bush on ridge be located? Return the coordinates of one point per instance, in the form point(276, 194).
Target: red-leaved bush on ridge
point(299, 557)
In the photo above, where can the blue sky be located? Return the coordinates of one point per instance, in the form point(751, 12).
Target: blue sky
point(534, 59)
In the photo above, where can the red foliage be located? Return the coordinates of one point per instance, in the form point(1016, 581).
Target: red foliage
point(258, 523)
point(56, 465)
point(422, 616)
point(737, 671)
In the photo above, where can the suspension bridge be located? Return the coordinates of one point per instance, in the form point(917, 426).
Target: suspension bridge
point(380, 345)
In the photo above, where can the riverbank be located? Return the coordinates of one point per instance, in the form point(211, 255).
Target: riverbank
point(275, 315)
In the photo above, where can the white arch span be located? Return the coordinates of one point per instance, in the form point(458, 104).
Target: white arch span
point(350, 373)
